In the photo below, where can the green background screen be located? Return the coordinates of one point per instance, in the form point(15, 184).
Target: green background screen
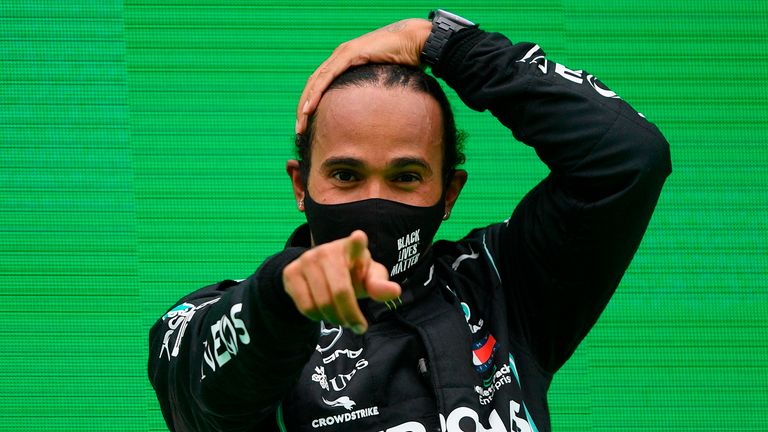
point(142, 155)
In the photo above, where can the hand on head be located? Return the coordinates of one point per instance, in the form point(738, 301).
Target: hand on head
point(397, 43)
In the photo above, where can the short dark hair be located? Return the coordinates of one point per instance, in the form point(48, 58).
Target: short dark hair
point(391, 76)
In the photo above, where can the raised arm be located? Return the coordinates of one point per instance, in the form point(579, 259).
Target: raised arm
point(570, 240)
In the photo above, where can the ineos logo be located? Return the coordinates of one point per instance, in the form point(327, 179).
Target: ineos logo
point(226, 334)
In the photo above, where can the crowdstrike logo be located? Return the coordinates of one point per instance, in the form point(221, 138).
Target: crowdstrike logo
point(343, 401)
point(345, 417)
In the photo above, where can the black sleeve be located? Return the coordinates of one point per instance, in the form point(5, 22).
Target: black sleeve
point(223, 358)
point(566, 246)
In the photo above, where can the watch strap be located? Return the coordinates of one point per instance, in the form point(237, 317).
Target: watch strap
point(444, 25)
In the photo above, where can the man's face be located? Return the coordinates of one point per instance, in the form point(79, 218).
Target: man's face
point(373, 142)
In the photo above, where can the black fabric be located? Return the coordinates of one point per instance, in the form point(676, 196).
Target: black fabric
point(483, 323)
point(398, 234)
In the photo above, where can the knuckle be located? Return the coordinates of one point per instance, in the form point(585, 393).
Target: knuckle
point(320, 253)
point(322, 70)
point(290, 270)
point(329, 251)
point(340, 293)
point(309, 256)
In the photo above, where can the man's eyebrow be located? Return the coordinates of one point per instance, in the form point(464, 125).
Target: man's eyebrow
point(397, 163)
point(342, 160)
point(409, 161)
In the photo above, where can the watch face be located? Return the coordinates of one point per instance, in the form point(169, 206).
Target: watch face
point(451, 17)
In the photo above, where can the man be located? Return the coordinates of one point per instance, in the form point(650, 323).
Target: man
point(361, 323)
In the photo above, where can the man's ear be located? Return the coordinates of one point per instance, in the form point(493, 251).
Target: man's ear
point(293, 169)
point(453, 189)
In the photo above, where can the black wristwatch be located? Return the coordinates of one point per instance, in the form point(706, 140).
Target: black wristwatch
point(444, 25)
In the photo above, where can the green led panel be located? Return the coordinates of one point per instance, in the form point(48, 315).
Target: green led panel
point(142, 155)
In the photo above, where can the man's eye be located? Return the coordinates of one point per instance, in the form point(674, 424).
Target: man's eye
point(407, 178)
point(344, 176)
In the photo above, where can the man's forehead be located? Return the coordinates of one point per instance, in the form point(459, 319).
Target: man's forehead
point(393, 116)
point(378, 106)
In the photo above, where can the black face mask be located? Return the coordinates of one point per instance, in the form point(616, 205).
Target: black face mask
point(398, 234)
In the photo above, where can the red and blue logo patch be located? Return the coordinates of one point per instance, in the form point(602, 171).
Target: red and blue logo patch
point(482, 353)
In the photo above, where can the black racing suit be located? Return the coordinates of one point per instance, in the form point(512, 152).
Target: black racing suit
point(483, 323)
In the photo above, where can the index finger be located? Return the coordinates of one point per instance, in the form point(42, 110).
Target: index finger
point(359, 260)
point(357, 248)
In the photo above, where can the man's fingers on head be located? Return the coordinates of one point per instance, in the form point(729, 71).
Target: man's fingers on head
point(314, 87)
point(320, 79)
